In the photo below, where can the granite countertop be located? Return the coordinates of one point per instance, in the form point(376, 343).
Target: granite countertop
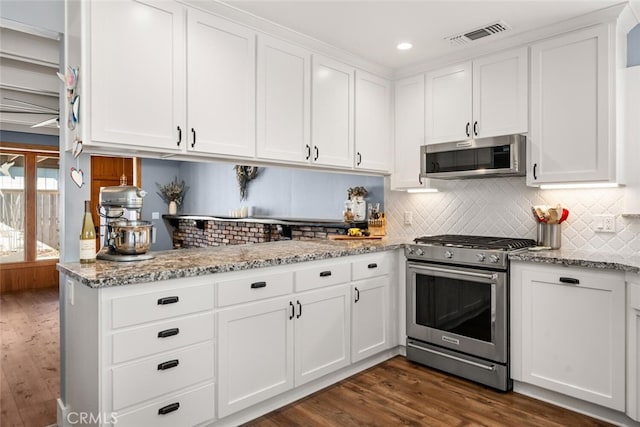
point(581, 258)
point(197, 262)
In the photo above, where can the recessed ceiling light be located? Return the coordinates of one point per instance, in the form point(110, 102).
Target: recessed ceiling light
point(404, 46)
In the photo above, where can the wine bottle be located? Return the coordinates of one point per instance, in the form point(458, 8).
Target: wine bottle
point(87, 236)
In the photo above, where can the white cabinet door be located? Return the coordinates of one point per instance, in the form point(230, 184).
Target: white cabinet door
point(633, 350)
point(572, 332)
point(284, 101)
point(373, 137)
point(500, 94)
point(255, 353)
point(448, 104)
point(570, 138)
point(332, 113)
point(409, 132)
point(137, 93)
point(221, 86)
point(369, 318)
point(322, 332)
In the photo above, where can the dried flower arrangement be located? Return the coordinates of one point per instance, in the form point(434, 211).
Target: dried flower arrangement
point(245, 174)
point(357, 192)
point(172, 192)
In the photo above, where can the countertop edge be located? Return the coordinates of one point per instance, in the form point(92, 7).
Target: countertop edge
point(589, 261)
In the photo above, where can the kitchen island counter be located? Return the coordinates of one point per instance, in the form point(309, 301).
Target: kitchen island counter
point(174, 264)
point(581, 258)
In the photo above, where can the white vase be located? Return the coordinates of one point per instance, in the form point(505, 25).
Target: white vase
point(173, 208)
point(359, 208)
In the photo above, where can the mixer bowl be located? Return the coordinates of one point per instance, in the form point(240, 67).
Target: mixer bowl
point(131, 237)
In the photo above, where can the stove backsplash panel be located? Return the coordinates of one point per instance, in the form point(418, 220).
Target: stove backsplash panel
point(502, 207)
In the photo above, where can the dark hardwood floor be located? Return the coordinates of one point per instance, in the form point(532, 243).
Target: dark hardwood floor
point(394, 393)
point(30, 358)
point(398, 392)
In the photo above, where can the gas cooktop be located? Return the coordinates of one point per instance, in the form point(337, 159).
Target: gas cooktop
point(475, 242)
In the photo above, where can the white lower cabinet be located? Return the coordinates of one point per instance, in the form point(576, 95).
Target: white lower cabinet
point(568, 331)
point(369, 318)
point(633, 349)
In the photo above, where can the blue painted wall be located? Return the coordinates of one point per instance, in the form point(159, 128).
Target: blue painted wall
point(633, 47)
point(276, 192)
point(29, 138)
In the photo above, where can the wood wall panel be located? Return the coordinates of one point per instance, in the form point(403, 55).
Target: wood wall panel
point(28, 275)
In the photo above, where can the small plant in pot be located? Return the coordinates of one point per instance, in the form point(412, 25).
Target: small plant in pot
point(173, 194)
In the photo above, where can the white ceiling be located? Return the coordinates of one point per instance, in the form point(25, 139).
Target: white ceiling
point(371, 29)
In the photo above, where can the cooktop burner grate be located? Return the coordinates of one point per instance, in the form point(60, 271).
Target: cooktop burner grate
point(476, 242)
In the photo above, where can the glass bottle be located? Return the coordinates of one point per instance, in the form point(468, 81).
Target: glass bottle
point(87, 236)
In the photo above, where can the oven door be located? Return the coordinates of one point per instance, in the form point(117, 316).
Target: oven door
point(459, 308)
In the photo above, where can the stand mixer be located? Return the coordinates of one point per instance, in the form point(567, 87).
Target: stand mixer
point(127, 238)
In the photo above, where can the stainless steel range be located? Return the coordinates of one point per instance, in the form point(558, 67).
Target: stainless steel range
point(458, 305)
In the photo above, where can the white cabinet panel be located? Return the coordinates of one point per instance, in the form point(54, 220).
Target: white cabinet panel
point(409, 132)
point(322, 333)
point(322, 276)
point(137, 73)
point(500, 94)
point(254, 287)
point(221, 86)
point(369, 327)
point(255, 353)
point(633, 349)
point(332, 132)
point(570, 138)
point(283, 101)
point(373, 136)
point(568, 331)
point(448, 104)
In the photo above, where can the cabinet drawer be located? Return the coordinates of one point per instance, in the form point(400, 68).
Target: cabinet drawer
point(319, 277)
point(135, 309)
point(377, 265)
point(191, 408)
point(140, 381)
point(254, 288)
point(634, 295)
point(164, 336)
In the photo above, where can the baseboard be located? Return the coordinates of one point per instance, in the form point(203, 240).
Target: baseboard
point(576, 405)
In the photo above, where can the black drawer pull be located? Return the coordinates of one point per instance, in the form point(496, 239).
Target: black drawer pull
point(168, 364)
point(168, 300)
point(325, 273)
point(570, 280)
point(168, 333)
point(257, 285)
point(372, 265)
point(169, 408)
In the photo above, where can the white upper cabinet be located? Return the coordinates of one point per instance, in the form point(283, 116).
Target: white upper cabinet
point(409, 132)
point(332, 85)
point(137, 77)
point(479, 99)
point(221, 86)
point(448, 104)
point(571, 124)
point(500, 94)
point(372, 120)
point(283, 101)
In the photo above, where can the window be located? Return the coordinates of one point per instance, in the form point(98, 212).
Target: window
point(29, 223)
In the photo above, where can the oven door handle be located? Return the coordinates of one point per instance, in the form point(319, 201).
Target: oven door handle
point(456, 273)
point(458, 359)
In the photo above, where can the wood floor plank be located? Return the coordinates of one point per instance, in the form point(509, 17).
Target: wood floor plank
point(399, 392)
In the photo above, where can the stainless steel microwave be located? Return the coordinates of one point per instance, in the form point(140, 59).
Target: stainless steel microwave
point(475, 158)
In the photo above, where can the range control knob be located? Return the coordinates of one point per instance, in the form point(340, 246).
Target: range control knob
point(494, 258)
point(448, 254)
point(419, 251)
point(480, 257)
point(410, 250)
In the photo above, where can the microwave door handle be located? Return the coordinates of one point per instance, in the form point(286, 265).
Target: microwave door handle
point(454, 273)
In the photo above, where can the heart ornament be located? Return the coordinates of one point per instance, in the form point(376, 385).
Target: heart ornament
point(77, 176)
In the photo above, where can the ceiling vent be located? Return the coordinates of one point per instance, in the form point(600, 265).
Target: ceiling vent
point(478, 33)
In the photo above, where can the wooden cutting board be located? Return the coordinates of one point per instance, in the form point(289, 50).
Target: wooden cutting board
point(343, 237)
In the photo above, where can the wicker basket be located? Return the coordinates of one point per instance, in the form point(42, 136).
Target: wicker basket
point(378, 227)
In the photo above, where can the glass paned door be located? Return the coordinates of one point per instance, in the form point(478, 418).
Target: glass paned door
point(12, 207)
point(47, 221)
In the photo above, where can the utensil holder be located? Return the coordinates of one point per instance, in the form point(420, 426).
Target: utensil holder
point(549, 235)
